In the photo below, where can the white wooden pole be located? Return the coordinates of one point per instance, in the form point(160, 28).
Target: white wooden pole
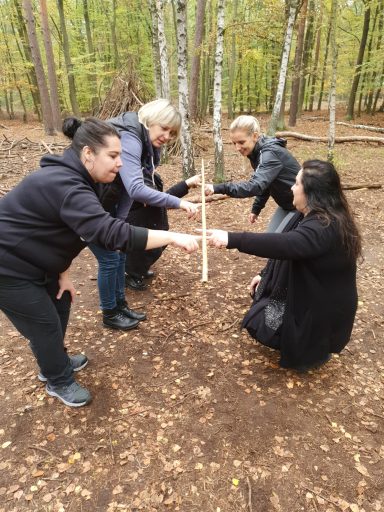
point(204, 226)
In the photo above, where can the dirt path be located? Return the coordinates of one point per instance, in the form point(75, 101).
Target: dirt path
point(189, 413)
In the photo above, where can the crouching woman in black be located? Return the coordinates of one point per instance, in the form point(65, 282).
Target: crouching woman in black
point(305, 299)
point(45, 222)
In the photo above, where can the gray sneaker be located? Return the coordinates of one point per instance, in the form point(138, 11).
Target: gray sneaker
point(73, 395)
point(79, 361)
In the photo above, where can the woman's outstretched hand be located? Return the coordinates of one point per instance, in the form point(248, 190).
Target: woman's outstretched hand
point(187, 242)
point(217, 238)
point(194, 181)
point(192, 209)
point(209, 190)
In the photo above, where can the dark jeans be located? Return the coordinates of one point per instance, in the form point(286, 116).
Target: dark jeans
point(110, 276)
point(36, 313)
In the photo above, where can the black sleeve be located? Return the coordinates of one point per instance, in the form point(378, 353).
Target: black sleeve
point(308, 240)
point(179, 190)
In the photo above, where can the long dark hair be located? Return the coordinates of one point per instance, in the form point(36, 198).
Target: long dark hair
point(91, 132)
point(325, 197)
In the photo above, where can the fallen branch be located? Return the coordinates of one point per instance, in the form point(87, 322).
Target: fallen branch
point(362, 127)
point(312, 138)
point(361, 185)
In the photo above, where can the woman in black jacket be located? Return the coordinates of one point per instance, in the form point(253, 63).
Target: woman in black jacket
point(274, 167)
point(45, 222)
point(305, 299)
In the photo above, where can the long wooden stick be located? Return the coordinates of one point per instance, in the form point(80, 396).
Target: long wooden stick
point(204, 226)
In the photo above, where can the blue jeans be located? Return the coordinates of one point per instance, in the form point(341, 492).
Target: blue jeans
point(110, 276)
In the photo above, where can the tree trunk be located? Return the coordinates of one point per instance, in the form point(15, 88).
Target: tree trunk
point(165, 86)
point(316, 60)
point(31, 74)
point(332, 91)
point(182, 74)
point(53, 89)
point(232, 62)
point(68, 62)
point(155, 48)
point(308, 45)
point(196, 61)
point(92, 58)
point(368, 59)
point(297, 66)
point(324, 70)
point(218, 142)
point(378, 47)
point(283, 68)
point(359, 62)
point(36, 57)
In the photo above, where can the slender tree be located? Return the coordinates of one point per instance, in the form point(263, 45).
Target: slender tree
point(232, 60)
point(186, 139)
point(320, 101)
point(332, 90)
point(195, 69)
point(92, 57)
point(68, 60)
point(165, 85)
point(298, 66)
point(315, 60)
point(218, 141)
point(36, 57)
point(359, 62)
point(283, 68)
point(53, 88)
point(155, 47)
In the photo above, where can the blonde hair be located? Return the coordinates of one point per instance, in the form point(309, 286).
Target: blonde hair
point(162, 112)
point(248, 124)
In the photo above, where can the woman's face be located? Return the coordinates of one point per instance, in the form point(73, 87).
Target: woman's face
point(243, 142)
point(105, 164)
point(299, 198)
point(160, 135)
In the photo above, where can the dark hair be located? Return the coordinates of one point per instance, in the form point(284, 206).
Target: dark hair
point(91, 132)
point(322, 187)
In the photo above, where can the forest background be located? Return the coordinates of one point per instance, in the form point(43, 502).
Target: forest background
point(63, 57)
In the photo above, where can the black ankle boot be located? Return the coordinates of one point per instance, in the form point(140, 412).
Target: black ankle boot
point(131, 313)
point(116, 319)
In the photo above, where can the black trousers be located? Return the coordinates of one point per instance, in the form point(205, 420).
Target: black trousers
point(36, 313)
point(137, 263)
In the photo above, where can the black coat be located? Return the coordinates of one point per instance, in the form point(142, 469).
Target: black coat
point(51, 215)
point(275, 171)
point(306, 302)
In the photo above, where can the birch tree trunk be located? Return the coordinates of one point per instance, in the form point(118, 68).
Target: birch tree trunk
point(218, 141)
point(196, 61)
point(40, 76)
point(155, 48)
point(68, 62)
point(53, 88)
point(283, 69)
point(332, 91)
point(165, 87)
point(316, 60)
point(186, 139)
point(92, 58)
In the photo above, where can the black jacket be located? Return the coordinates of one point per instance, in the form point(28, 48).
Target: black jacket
point(51, 215)
point(275, 171)
point(310, 297)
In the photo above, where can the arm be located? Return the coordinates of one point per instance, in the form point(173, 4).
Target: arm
point(259, 202)
point(182, 188)
point(132, 176)
point(266, 172)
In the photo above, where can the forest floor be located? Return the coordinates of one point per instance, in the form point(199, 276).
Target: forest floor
point(188, 412)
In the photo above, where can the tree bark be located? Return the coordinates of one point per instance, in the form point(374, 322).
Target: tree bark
point(297, 66)
point(186, 139)
point(68, 61)
point(316, 60)
point(196, 61)
point(351, 138)
point(53, 89)
point(92, 58)
point(165, 86)
point(332, 91)
point(218, 142)
point(155, 48)
point(324, 70)
point(232, 62)
point(283, 68)
point(36, 57)
point(359, 62)
point(308, 45)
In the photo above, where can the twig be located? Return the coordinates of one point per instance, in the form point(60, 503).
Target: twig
point(377, 415)
point(249, 494)
point(47, 147)
point(174, 297)
point(232, 324)
point(111, 447)
point(319, 495)
point(32, 447)
point(183, 400)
